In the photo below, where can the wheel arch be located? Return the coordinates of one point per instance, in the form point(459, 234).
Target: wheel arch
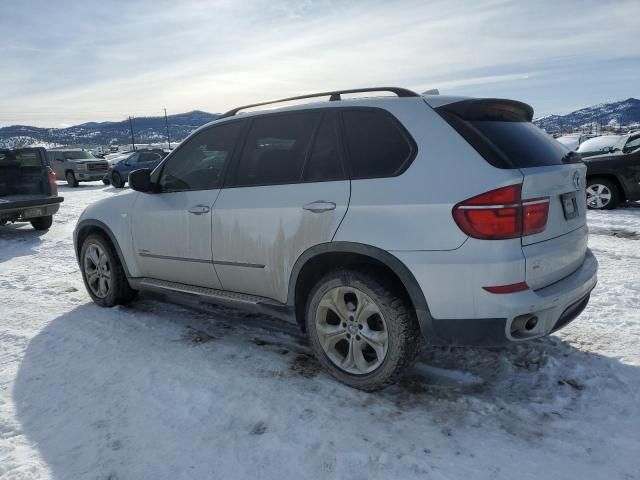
point(611, 177)
point(320, 259)
point(89, 226)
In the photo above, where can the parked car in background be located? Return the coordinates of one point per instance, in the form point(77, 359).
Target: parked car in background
point(627, 144)
point(614, 179)
point(571, 141)
point(28, 190)
point(597, 145)
point(118, 174)
point(320, 215)
point(76, 165)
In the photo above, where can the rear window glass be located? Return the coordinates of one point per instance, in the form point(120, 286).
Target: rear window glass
point(524, 144)
point(376, 145)
point(28, 158)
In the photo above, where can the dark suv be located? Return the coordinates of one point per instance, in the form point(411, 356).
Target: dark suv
point(614, 178)
point(119, 174)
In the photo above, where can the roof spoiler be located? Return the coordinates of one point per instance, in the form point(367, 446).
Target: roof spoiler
point(497, 109)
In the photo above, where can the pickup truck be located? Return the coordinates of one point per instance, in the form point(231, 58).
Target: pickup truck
point(28, 190)
point(76, 165)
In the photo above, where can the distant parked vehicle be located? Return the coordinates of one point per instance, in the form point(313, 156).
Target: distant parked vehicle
point(598, 145)
point(627, 144)
point(614, 178)
point(572, 141)
point(76, 165)
point(118, 175)
point(28, 190)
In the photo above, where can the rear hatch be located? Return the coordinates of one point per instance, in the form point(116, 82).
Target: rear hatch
point(502, 132)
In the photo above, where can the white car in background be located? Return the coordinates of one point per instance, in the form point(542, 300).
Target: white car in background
point(572, 142)
point(598, 145)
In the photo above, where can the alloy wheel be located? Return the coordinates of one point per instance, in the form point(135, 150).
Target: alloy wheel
point(351, 330)
point(97, 270)
point(598, 195)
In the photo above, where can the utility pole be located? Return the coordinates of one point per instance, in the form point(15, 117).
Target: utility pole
point(133, 141)
point(166, 122)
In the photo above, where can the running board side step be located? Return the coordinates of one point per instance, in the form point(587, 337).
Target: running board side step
point(245, 301)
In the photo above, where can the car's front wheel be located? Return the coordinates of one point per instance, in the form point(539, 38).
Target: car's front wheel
point(103, 274)
point(71, 179)
point(362, 329)
point(602, 194)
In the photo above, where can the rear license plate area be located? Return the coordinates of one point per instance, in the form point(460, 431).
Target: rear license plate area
point(32, 212)
point(569, 205)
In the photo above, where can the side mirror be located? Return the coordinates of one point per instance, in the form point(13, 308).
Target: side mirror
point(140, 180)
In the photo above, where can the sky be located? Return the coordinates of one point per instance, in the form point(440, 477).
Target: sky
point(65, 62)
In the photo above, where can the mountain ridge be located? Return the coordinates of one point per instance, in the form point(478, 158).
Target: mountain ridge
point(602, 116)
point(145, 129)
point(599, 117)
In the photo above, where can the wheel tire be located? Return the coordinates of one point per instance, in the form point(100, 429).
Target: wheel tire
point(399, 319)
point(603, 185)
point(106, 181)
point(71, 179)
point(116, 180)
point(42, 223)
point(119, 291)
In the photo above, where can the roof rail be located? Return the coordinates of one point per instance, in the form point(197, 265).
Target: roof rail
point(334, 96)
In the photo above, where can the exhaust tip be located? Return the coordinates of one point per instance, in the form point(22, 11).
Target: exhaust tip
point(531, 323)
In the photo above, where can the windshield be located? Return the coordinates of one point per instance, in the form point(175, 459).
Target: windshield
point(77, 155)
point(619, 145)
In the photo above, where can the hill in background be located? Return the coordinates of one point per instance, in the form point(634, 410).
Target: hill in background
point(597, 118)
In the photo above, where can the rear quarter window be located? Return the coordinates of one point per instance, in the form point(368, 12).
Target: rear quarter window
point(376, 144)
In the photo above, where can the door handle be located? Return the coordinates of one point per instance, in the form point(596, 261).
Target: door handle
point(319, 206)
point(199, 209)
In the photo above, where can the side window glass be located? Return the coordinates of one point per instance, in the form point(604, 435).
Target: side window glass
point(198, 164)
point(133, 159)
point(276, 148)
point(632, 145)
point(376, 146)
point(324, 161)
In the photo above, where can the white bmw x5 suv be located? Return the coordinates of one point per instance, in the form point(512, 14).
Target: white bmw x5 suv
point(374, 223)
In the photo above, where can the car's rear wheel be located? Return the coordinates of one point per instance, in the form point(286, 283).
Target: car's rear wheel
point(42, 223)
point(116, 180)
point(71, 179)
point(602, 194)
point(102, 272)
point(362, 329)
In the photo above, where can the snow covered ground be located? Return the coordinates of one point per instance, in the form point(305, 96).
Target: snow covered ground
point(157, 390)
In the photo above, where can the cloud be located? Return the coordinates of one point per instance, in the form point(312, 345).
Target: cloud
point(68, 62)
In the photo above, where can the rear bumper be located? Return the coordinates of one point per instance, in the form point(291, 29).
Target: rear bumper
point(553, 307)
point(24, 209)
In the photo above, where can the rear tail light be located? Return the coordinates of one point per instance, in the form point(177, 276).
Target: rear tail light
point(53, 186)
point(534, 215)
point(501, 214)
